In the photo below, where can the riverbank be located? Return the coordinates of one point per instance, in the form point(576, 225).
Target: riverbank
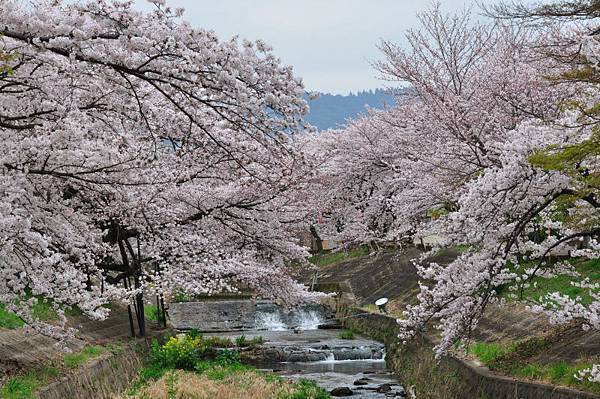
point(518, 350)
point(300, 343)
point(452, 377)
point(193, 365)
point(101, 357)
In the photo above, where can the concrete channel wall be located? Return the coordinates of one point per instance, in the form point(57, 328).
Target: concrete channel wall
point(214, 316)
point(102, 378)
point(240, 315)
point(451, 378)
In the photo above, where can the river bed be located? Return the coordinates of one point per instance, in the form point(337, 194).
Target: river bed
point(355, 367)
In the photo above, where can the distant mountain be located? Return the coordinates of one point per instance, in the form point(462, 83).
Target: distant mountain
point(332, 110)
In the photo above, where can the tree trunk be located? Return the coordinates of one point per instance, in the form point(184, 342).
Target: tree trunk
point(139, 298)
point(131, 326)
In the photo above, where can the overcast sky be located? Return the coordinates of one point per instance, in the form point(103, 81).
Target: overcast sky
point(330, 43)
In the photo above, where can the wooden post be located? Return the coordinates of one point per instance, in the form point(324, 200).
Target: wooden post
point(131, 326)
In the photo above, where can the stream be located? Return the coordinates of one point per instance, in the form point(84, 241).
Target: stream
point(296, 348)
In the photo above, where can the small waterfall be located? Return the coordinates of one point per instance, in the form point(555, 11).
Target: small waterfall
point(270, 321)
point(308, 319)
point(330, 358)
point(273, 318)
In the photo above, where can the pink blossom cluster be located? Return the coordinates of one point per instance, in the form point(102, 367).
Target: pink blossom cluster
point(452, 162)
point(132, 144)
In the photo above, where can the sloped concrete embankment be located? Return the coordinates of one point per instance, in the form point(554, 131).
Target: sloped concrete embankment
point(451, 378)
point(360, 281)
point(102, 378)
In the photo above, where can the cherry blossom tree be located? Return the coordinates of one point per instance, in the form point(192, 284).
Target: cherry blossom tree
point(495, 147)
point(469, 85)
point(578, 160)
point(142, 155)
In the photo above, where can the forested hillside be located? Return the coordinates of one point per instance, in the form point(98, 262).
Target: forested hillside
point(331, 110)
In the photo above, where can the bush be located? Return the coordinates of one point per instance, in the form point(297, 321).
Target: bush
point(194, 333)
point(256, 341)
point(186, 351)
point(179, 353)
point(220, 342)
point(228, 357)
point(241, 341)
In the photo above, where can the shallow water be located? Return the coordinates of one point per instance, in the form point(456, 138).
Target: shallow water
point(331, 362)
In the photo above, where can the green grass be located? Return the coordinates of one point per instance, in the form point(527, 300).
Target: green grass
point(163, 360)
point(242, 341)
point(8, 319)
point(331, 258)
point(539, 287)
point(308, 389)
point(220, 342)
point(74, 360)
point(170, 382)
point(512, 359)
point(257, 341)
point(25, 386)
point(531, 371)
point(559, 373)
point(347, 334)
point(150, 372)
point(487, 353)
point(151, 312)
point(43, 310)
point(115, 347)
point(461, 248)
point(217, 371)
point(21, 387)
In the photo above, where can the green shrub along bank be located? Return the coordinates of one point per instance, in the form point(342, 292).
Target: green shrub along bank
point(243, 342)
point(210, 359)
